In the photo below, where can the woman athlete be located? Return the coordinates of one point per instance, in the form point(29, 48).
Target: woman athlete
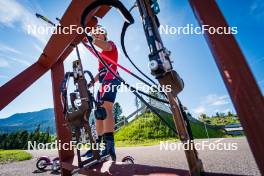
point(107, 91)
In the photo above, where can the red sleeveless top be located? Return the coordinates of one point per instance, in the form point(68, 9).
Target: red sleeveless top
point(113, 55)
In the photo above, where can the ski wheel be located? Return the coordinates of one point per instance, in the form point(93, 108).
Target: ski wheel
point(128, 160)
point(41, 164)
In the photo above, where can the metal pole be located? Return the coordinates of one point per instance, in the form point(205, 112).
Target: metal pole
point(239, 80)
point(161, 67)
point(206, 130)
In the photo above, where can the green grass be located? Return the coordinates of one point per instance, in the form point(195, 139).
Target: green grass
point(145, 127)
point(148, 129)
point(7, 156)
point(225, 120)
point(199, 132)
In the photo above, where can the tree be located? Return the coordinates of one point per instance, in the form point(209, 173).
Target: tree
point(3, 140)
point(47, 136)
point(117, 111)
point(222, 115)
point(37, 134)
point(24, 139)
point(203, 117)
point(229, 114)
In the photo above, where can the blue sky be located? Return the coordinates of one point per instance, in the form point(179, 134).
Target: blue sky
point(204, 90)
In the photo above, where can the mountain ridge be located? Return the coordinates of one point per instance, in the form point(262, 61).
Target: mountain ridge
point(29, 121)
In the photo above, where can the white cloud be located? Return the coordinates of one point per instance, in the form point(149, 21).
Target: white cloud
point(5, 48)
point(226, 110)
point(215, 100)
point(216, 110)
point(38, 48)
point(21, 61)
point(212, 103)
point(199, 110)
point(13, 14)
point(3, 63)
point(6, 62)
point(7, 55)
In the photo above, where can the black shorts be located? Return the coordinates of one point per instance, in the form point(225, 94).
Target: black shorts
point(108, 90)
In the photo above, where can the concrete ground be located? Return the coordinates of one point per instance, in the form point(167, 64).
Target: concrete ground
point(230, 162)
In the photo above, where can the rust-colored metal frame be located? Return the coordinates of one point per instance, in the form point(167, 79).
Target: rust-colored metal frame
point(239, 80)
point(55, 52)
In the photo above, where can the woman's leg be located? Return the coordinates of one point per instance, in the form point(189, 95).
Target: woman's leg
point(108, 99)
point(99, 127)
point(109, 127)
point(109, 122)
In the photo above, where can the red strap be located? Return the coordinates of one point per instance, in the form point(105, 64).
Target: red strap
point(106, 58)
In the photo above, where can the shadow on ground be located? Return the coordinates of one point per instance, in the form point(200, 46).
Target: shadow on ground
point(47, 170)
point(119, 169)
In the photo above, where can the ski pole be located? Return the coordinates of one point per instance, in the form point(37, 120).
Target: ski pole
point(45, 19)
point(115, 63)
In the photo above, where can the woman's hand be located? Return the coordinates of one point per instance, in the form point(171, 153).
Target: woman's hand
point(104, 45)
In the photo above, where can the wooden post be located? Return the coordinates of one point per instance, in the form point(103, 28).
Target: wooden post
point(239, 80)
point(63, 133)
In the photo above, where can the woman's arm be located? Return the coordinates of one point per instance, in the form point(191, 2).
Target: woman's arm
point(104, 45)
